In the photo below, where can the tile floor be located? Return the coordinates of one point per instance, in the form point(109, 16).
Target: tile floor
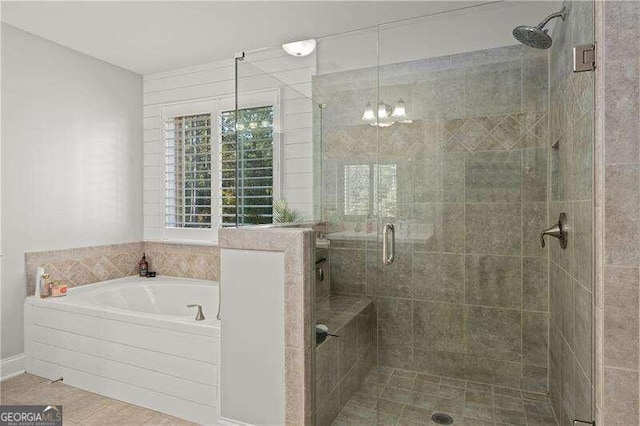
point(80, 407)
point(407, 398)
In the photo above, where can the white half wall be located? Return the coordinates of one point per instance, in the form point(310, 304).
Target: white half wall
point(252, 367)
point(71, 160)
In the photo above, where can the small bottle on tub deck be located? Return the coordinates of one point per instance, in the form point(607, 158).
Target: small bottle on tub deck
point(143, 266)
point(45, 286)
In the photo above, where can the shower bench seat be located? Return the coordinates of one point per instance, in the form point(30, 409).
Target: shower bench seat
point(342, 362)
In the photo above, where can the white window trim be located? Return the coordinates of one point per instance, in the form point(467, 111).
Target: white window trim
point(215, 106)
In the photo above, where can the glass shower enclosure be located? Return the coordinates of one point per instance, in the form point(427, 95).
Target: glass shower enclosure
point(430, 155)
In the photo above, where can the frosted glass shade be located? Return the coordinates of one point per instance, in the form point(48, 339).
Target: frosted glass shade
point(300, 48)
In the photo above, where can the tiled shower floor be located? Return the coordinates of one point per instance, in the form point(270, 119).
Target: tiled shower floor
point(406, 398)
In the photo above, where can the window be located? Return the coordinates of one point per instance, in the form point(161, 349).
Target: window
point(370, 189)
point(200, 189)
point(188, 172)
point(385, 188)
point(255, 189)
point(356, 190)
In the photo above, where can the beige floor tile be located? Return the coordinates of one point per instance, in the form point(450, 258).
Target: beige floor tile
point(160, 419)
point(119, 413)
point(7, 401)
point(81, 408)
point(23, 379)
point(15, 385)
point(46, 393)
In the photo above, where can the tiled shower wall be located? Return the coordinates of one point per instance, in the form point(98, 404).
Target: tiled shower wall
point(467, 295)
point(618, 213)
point(571, 192)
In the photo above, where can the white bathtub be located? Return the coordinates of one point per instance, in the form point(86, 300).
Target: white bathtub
point(132, 339)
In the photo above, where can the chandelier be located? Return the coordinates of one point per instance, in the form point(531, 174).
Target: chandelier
point(386, 116)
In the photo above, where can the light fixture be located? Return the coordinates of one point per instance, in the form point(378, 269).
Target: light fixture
point(386, 116)
point(400, 112)
point(383, 110)
point(300, 48)
point(369, 114)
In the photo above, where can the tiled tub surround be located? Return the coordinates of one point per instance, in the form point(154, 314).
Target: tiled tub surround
point(342, 362)
point(467, 296)
point(184, 260)
point(571, 191)
point(87, 265)
point(114, 339)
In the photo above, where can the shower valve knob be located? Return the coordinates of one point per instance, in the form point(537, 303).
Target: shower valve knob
point(559, 231)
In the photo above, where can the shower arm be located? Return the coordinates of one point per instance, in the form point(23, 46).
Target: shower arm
point(546, 20)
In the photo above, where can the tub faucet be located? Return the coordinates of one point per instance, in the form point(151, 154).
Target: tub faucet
point(199, 314)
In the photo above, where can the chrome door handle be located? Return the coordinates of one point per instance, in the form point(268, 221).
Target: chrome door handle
point(388, 245)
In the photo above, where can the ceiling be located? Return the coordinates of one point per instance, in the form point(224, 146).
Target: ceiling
point(154, 36)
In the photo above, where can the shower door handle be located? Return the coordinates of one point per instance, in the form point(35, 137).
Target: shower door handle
point(388, 244)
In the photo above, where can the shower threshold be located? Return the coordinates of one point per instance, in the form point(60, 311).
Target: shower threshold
point(399, 397)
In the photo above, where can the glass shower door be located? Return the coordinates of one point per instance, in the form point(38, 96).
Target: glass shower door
point(441, 151)
point(482, 142)
point(345, 86)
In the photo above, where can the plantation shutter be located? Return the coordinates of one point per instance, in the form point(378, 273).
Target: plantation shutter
point(188, 172)
point(252, 198)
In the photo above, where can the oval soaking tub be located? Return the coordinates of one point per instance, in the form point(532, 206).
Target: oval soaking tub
point(132, 339)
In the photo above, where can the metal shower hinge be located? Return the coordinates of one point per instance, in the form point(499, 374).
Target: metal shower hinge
point(239, 56)
point(584, 58)
point(583, 423)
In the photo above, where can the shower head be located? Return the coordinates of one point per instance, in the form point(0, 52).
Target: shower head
point(532, 36)
point(537, 36)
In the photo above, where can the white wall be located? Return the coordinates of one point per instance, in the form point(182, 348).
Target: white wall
point(266, 70)
point(71, 159)
point(252, 359)
point(461, 31)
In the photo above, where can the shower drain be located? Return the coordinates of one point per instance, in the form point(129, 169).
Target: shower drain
point(442, 418)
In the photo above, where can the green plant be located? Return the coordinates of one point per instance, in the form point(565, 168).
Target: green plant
point(282, 213)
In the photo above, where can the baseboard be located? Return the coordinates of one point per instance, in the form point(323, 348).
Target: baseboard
point(228, 422)
point(12, 366)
